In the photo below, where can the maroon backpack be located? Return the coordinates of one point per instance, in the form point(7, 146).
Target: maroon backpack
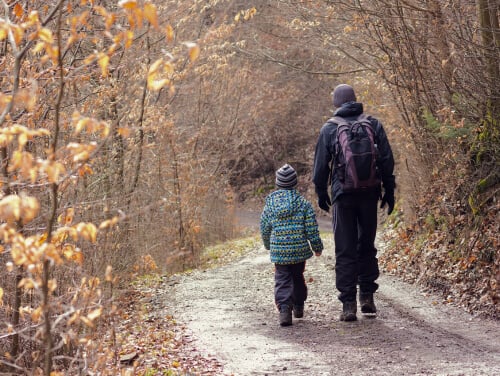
point(356, 154)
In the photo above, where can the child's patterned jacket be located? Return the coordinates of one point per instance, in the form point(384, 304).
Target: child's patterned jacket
point(289, 228)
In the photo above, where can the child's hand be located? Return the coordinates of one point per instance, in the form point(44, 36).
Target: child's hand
point(317, 254)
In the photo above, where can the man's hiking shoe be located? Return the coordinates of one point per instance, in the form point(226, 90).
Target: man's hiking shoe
point(348, 311)
point(285, 315)
point(298, 311)
point(367, 304)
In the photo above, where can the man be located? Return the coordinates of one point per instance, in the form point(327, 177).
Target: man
point(354, 211)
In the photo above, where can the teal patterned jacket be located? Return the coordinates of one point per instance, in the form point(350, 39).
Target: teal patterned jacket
point(288, 227)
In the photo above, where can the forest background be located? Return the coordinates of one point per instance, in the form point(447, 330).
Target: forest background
point(131, 130)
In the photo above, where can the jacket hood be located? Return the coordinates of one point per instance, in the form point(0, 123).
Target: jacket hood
point(349, 109)
point(284, 202)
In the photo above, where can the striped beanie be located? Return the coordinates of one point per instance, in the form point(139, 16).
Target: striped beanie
point(286, 177)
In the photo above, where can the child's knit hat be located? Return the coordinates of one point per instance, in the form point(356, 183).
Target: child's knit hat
point(286, 177)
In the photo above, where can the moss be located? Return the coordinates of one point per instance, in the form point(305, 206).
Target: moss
point(228, 251)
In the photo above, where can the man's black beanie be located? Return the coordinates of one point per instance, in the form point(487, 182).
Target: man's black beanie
point(342, 94)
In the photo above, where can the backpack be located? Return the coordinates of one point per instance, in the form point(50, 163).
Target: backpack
point(356, 154)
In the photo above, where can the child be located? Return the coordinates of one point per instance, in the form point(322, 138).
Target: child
point(289, 230)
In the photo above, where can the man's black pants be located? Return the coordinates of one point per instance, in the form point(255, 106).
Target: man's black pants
point(289, 284)
point(354, 228)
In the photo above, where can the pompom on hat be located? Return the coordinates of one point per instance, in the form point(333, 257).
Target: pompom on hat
point(342, 94)
point(286, 177)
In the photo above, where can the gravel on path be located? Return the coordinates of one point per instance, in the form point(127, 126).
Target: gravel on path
point(230, 311)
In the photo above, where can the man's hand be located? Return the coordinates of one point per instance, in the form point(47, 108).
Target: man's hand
point(388, 199)
point(324, 201)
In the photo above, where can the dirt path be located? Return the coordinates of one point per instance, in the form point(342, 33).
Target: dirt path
point(230, 311)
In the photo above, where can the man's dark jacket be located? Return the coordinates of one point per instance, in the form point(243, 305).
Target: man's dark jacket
point(325, 152)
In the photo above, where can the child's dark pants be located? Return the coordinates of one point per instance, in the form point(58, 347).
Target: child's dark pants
point(289, 284)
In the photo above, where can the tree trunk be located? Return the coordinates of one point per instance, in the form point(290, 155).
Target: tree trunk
point(490, 35)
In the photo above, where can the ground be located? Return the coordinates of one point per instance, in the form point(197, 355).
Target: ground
point(229, 315)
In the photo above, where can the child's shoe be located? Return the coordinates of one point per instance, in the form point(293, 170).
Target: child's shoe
point(285, 315)
point(298, 311)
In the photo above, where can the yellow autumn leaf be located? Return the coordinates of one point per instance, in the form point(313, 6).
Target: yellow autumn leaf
point(169, 33)
point(18, 10)
point(124, 132)
point(70, 213)
point(87, 322)
point(103, 61)
point(74, 318)
point(87, 231)
point(52, 285)
point(96, 313)
point(101, 10)
point(249, 13)
point(3, 32)
point(18, 33)
point(45, 35)
point(81, 124)
point(54, 171)
point(33, 175)
point(194, 52)
point(81, 156)
point(41, 239)
point(18, 255)
point(129, 38)
point(139, 18)
point(168, 68)
point(36, 314)
point(110, 20)
point(27, 283)
point(105, 129)
point(10, 208)
point(155, 66)
point(30, 208)
point(77, 257)
point(1, 296)
point(68, 251)
point(51, 252)
point(154, 80)
point(108, 223)
point(85, 170)
point(16, 160)
point(150, 14)
point(33, 18)
point(22, 140)
point(156, 85)
point(128, 4)
point(89, 59)
point(108, 274)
